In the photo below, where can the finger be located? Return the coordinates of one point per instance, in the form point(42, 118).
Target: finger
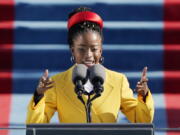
point(45, 88)
point(141, 91)
point(48, 83)
point(144, 74)
point(139, 86)
point(144, 71)
point(49, 80)
point(145, 80)
point(43, 79)
point(45, 75)
point(141, 83)
point(41, 84)
point(137, 89)
point(49, 87)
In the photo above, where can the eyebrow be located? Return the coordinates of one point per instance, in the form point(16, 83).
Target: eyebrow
point(83, 45)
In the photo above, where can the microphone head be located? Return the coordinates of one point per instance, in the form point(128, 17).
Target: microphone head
point(97, 73)
point(79, 73)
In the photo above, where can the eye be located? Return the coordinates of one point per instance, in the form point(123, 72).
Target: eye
point(94, 49)
point(81, 49)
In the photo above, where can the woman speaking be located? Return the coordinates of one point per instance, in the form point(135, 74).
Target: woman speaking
point(57, 93)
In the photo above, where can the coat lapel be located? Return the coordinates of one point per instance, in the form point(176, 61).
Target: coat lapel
point(71, 96)
point(108, 88)
point(69, 92)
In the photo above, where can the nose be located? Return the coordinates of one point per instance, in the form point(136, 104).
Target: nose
point(89, 53)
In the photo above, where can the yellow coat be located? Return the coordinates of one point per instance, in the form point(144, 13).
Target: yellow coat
point(116, 96)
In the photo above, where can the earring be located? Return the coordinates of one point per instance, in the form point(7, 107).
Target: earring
point(101, 60)
point(72, 59)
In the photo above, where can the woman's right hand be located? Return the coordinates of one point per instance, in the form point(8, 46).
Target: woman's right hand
point(45, 83)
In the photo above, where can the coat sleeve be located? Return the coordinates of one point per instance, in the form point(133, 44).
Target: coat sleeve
point(135, 109)
point(44, 110)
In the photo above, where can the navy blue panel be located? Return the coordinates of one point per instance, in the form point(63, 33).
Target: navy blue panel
point(134, 12)
point(132, 60)
point(41, 36)
point(133, 36)
point(52, 60)
point(25, 85)
point(111, 36)
point(55, 60)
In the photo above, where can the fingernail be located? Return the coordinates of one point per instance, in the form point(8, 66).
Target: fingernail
point(43, 77)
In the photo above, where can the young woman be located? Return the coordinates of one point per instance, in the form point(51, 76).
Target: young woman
point(85, 40)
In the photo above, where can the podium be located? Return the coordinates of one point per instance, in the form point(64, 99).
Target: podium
point(90, 129)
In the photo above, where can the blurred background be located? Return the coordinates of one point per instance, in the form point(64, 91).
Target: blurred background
point(137, 33)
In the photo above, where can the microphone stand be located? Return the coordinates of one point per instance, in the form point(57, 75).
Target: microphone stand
point(88, 105)
point(79, 90)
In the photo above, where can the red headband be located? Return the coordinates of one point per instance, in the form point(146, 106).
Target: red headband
point(85, 16)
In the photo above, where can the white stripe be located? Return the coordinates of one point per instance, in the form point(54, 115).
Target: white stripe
point(110, 47)
point(37, 47)
point(107, 24)
point(35, 75)
point(19, 103)
point(134, 25)
point(133, 47)
point(159, 100)
point(150, 74)
point(73, 2)
point(30, 74)
point(41, 24)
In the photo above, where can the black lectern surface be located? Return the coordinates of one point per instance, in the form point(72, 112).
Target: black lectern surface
point(90, 129)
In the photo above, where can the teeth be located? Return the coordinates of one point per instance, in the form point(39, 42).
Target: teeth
point(88, 61)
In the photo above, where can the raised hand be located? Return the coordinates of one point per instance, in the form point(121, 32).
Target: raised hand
point(45, 83)
point(142, 87)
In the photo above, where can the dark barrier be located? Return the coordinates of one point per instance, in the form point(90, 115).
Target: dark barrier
point(90, 129)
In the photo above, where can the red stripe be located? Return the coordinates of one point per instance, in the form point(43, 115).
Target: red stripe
point(172, 82)
point(6, 41)
point(172, 62)
point(172, 25)
point(171, 56)
point(172, 48)
point(6, 25)
point(7, 2)
point(173, 111)
point(171, 10)
point(172, 2)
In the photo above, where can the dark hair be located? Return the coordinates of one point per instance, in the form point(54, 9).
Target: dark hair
point(81, 27)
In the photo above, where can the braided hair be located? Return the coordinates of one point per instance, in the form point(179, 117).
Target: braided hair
point(82, 27)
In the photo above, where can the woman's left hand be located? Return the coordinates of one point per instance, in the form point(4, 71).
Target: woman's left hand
point(142, 87)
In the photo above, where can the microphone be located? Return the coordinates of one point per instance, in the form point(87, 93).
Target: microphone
point(79, 78)
point(97, 77)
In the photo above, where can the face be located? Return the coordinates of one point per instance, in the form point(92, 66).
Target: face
point(87, 48)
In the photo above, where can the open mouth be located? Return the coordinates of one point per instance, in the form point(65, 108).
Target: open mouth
point(89, 63)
